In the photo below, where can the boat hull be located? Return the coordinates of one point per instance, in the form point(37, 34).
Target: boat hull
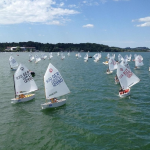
point(125, 94)
point(96, 60)
point(53, 105)
point(27, 98)
point(105, 63)
point(13, 69)
point(110, 72)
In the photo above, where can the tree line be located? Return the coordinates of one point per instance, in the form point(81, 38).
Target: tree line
point(48, 47)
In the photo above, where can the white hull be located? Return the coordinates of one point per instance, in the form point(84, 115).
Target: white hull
point(110, 72)
point(105, 63)
point(96, 60)
point(85, 60)
point(125, 94)
point(27, 98)
point(53, 105)
point(149, 68)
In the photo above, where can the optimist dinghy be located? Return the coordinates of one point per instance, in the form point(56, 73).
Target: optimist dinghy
point(55, 86)
point(138, 61)
point(126, 78)
point(23, 85)
point(112, 65)
point(13, 63)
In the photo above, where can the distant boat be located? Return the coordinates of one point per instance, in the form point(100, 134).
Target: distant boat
point(62, 56)
point(97, 57)
point(43, 56)
point(112, 64)
point(23, 85)
point(55, 86)
point(37, 59)
point(126, 78)
point(138, 61)
point(50, 55)
point(86, 58)
point(105, 63)
point(13, 63)
point(31, 58)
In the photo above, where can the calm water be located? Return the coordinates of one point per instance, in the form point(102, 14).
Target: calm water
point(94, 117)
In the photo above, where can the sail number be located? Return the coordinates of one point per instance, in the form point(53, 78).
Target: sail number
point(55, 79)
point(26, 76)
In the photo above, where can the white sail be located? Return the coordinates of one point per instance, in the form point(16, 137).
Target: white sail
point(129, 57)
point(62, 56)
point(112, 64)
point(108, 56)
point(31, 58)
point(23, 81)
point(120, 58)
point(86, 57)
point(44, 56)
point(55, 85)
point(37, 58)
point(13, 63)
point(139, 61)
point(50, 55)
point(126, 77)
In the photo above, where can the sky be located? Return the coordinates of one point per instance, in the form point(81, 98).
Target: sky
point(118, 23)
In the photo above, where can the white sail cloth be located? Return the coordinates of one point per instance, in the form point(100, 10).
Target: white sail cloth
point(139, 61)
point(31, 57)
point(37, 58)
point(50, 55)
point(13, 63)
point(86, 57)
point(23, 81)
point(55, 85)
point(112, 64)
point(126, 77)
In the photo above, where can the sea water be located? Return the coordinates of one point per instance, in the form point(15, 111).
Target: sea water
point(94, 117)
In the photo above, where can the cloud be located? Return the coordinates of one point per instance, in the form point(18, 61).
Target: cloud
point(33, 11)
point(61, 4)
point(71, 6)
point(88, 26)
point(146, 21)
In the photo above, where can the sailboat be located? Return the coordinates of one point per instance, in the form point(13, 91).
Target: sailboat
point(50, 55)
point(68, 54)
point(138, 61)
point(112, 65)
point(37, 59)
point(106, 62)
point(126, 78)
point(62, 56)
point(55, 86)
point(31, 58)
point(23, 85)
point(86, 58)
point(13, 63)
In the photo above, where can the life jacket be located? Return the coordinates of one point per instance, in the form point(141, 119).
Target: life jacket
point(126, 91)
point(121, 93)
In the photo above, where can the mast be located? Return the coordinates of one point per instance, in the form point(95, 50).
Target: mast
point(14, 86)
